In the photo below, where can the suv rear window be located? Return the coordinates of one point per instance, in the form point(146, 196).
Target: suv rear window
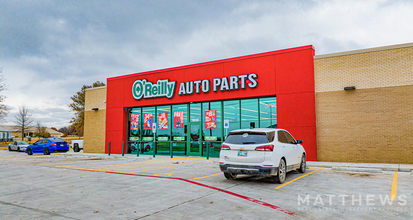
point(247, 138)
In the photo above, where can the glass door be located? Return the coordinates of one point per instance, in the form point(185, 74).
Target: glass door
point(195, 139)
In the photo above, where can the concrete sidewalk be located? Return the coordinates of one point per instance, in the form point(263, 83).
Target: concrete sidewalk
point(357, 167)
point(362, 166)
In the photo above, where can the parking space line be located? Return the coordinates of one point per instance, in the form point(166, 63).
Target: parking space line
point(208, 176)
point(278, 187)
point(394, 187)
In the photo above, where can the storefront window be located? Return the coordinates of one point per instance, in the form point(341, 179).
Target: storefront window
point(231, 113)
point(149, 117)
point(195, 112)
point(163, 129)
point(133, 147)
point(135, 122)
point(179, 122)
point(197, 128)
point(268, 112)
point(212, 121)
point(179, 148)
point(162, 148)
point(249, 113)
point(147, 147)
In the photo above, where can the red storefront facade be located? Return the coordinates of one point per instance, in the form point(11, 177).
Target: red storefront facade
point(286, 74)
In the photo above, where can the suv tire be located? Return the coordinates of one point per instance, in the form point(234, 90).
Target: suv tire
point(282, 172)
point(29, 151)
point(303, 165)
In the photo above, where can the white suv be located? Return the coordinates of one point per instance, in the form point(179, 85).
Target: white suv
point(261, 151)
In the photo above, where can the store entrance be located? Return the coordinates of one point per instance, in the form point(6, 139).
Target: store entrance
point(194, 138)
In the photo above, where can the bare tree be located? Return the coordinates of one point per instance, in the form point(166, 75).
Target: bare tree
point(65, 130)
point(41, 131)
point(23, 119)
point(38, 128)
point(4, 109)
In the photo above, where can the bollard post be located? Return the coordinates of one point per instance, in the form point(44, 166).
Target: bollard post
point(171, 150)
point(207, 149)
point(138, 148)
point(123, 148)
point(109, 149)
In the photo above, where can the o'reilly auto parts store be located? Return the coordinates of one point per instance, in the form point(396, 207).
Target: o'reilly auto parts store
point(353, 106)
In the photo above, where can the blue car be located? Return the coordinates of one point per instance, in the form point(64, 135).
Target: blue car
point(48, 145)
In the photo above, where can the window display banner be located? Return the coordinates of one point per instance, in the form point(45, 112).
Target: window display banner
point(163, 120)
point(179, 119)
point(210, 119)
point(134, 122)
point(148, 119)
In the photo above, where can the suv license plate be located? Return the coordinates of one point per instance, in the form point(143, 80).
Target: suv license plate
point(242, 153)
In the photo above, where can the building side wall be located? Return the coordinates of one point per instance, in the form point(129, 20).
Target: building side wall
point(95, 121)
point(373, 123)
point(94, 137)
point(95, 98)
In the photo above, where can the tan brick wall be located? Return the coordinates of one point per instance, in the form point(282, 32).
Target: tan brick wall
point(95, 98)
point(373, 123)
point(95, 121)
point(374, 69)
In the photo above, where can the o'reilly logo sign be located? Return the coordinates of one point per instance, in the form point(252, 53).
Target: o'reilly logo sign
point(165, 88)
point(147, 90)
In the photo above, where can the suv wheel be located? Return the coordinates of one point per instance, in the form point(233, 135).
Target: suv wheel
point(303, 165)
point(280, 178)
point(18, 149)
point(9, 148)
point(230, 176)
point(29, 151)
point(46, 151)
point(76, 149)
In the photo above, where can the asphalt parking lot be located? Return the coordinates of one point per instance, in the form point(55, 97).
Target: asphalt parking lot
point(54, 187)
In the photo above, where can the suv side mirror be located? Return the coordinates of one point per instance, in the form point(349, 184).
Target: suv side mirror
point(299, 141)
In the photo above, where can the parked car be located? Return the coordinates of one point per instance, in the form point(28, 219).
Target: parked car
point(18, 146)
point(48, 145)
point(77, 145)
point(261, 151)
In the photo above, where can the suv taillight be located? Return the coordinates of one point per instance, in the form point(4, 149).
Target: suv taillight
point(225, 147)
point(265, 148)
point(53, 144)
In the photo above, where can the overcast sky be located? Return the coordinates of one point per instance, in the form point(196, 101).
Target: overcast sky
point(49, 49)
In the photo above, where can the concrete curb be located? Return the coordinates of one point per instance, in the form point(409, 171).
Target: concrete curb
point(383, 167)
point(368, 170)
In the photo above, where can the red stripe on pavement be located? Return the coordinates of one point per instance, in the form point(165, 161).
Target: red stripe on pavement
point(185, 180)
